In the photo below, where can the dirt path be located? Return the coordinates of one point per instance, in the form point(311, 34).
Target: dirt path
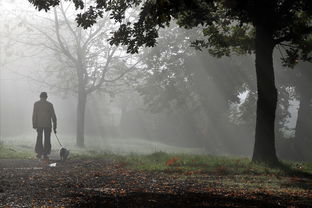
point(104, 183)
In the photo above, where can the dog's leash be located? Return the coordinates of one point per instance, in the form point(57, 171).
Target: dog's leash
point(58, 139)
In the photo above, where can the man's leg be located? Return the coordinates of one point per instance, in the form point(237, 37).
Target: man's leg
point(47, 142)
point(39, 146)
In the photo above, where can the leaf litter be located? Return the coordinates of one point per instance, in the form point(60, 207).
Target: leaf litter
point(105, 182)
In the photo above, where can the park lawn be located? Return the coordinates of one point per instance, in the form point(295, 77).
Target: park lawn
point(191, 164)
point(229, 173)
point(198, 164)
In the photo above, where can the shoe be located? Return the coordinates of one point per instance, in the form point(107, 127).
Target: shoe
point(38, 156)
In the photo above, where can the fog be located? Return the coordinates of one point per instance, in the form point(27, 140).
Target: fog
point(174, 98)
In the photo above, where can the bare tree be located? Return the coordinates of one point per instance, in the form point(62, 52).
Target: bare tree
point(82, 61)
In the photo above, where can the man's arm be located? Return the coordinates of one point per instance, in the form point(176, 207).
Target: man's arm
point(53, 119)
point(34, 117)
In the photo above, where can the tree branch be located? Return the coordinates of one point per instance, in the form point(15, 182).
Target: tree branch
point(61, 44)
point(124, 73)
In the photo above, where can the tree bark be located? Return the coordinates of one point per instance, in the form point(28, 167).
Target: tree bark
point(264, 148)
point(81, 107)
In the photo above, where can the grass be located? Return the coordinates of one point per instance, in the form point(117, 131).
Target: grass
point(224, 173)
point(168, 162)
point(10, 152)
point(160, 161)
point(227, 173)
point(198, 164)
point(205, 173)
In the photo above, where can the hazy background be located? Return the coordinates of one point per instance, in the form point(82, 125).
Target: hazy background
point(177, 99)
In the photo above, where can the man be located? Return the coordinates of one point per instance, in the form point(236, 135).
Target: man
point(43, 114)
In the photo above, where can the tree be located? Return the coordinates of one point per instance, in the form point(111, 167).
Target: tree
point(177, 81)
point(241, 26)
point(84, 61)
point(303, 133)
point(294, 91)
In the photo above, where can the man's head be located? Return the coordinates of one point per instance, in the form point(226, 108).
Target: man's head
point(43, 95)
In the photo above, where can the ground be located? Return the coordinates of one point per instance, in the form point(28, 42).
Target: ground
point(106, 182)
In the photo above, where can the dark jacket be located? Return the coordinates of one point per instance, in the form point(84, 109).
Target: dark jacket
point(43, 114)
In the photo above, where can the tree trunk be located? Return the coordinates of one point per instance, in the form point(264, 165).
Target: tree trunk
point(81, 107)
point(303, 134)
point(264, 149)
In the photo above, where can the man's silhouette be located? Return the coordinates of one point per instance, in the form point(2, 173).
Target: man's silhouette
point(43, 114)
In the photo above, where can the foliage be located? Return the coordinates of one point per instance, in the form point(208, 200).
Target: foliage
point(228, 25)
point(193, 90)
point(175, 72)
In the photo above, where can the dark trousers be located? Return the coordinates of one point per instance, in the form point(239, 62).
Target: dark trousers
point(43, 148)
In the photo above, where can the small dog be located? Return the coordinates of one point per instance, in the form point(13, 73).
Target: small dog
point(64, 153)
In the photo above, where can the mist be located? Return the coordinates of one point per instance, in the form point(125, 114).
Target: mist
point(174, 98)
point(155, 103)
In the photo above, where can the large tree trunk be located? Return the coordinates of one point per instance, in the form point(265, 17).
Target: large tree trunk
point(264, 149)
point(81, 107)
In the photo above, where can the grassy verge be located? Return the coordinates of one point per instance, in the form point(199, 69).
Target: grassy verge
point(237, 175)
point(160, 161)
point(8, 152)
point(222, 173)
point(182, 163)
point(198, 164)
